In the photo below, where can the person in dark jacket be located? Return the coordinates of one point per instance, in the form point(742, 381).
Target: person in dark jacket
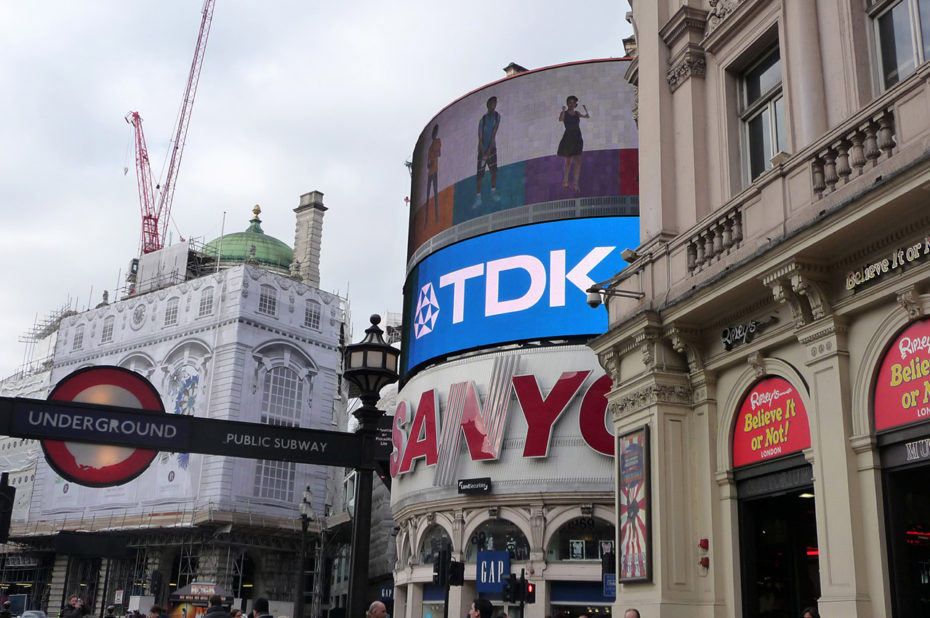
point(216, 608)
point(260, 608)
point(5, 612)
point(75, 609)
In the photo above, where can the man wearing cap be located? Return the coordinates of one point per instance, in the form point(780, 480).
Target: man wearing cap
point(260, 608)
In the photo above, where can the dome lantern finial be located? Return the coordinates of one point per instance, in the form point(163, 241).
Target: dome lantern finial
point(256, 210)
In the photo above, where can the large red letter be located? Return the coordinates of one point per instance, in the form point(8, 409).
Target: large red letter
point(591, 419)
point(397, 436)
point(422, 441)
point(542, 413)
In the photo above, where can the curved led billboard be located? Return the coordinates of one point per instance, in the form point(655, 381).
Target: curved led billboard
point(553, 143)
point(517, 284)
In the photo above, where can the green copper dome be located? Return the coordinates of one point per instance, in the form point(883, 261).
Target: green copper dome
point(237, 248)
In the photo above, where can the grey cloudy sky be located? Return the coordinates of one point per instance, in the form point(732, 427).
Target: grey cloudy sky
point(294, 96)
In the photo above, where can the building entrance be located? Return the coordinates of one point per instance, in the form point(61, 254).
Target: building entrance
point(908, 508)
point(779, 553)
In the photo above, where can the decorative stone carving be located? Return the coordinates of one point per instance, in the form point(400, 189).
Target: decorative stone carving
point(635, 110)
point(757, 363)
point(910, 302)
point(646, 339)
point(587, 510)
point(690, 63)
point(684, 341)
point(720, 10)
point(796, 284)
point(610, 360)
point(651, 395)
point(493, 512)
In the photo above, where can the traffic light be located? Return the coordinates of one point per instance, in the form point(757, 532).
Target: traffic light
point(441, 568)
point(7, 496)
point(456, 573)
point(510, 590)
point(529, 593)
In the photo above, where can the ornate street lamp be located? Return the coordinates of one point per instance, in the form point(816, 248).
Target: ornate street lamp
point(369, 365)
point(306, 516)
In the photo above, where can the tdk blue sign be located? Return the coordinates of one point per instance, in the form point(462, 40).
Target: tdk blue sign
point(523, 283)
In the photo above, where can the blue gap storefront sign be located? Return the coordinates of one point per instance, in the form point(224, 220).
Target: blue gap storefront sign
point(518, 284)
point(492, 568)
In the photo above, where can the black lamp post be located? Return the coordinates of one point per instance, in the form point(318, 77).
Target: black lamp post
point(306, 516)
point(370, 365)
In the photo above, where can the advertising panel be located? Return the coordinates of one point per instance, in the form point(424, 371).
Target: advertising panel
point(540, 137)
point(902, 388)
point(528, 421)
point(772, 422)
point(523, 283)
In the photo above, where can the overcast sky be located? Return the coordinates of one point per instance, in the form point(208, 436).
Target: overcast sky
point(295, 95)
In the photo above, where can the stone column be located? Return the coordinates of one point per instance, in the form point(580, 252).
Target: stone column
point(308, 237)
point(803, 62)
point(841, 535)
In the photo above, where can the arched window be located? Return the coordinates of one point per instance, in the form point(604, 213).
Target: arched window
point(171, 311)
point(282, 398)
point(498, 535)
point(582, 538)
point(435, 539)
point(106, 335)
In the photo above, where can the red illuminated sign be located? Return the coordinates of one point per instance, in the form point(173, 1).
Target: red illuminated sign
point(772, 422)
point(436, 441)
point(902, 389)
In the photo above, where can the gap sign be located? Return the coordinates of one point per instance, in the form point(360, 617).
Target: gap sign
point(492, 568)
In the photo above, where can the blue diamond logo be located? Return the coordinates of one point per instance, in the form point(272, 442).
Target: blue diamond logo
point(427, 311)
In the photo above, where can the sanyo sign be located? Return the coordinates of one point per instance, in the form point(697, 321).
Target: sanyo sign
point(517, 284)
point(430, 423)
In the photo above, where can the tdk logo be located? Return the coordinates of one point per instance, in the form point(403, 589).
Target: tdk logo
point(545, 281)
point(427, 311)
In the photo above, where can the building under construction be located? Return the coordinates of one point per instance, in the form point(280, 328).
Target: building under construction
point(236, 329)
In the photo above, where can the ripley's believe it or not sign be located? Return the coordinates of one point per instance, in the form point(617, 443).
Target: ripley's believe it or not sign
point(772, 422)
point(902, 387)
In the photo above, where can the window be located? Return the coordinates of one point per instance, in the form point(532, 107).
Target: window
point(282, 402)
point(78, 342)
point(206, 303)
point(171, 311)
point(312, 315)
point(268, 300)
point(903, 33)
point(763, 113)
point(106, 336)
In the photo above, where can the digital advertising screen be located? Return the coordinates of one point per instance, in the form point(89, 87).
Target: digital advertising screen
point(517, 284)
point(560, 140)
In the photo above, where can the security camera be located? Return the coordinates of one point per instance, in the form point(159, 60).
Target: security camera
point(594, 299)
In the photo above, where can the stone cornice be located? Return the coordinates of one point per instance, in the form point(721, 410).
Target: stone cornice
point(686, 20)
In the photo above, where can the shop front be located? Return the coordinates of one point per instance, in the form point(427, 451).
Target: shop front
point(901, 406)
point(779, 555)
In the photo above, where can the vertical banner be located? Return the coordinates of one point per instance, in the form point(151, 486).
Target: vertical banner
point(635, 530)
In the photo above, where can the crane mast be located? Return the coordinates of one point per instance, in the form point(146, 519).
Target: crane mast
point(156, 212)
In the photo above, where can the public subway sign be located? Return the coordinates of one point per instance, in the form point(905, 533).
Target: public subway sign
point(431, 435)
point(772, 422)
point(523, 283)
point(902, 387)
point(898, 259)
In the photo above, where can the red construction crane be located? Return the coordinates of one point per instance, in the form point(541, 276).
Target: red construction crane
point(156, 212)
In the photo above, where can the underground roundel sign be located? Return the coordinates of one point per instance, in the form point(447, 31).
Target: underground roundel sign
point(102, 465)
